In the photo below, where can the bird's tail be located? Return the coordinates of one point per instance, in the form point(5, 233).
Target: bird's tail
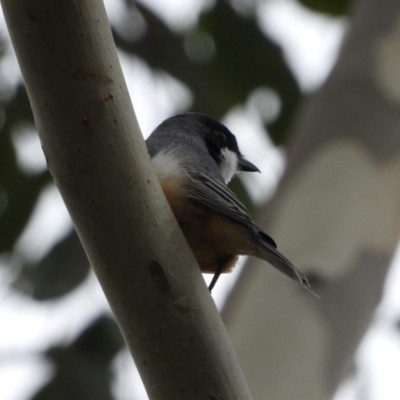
point(269, 253)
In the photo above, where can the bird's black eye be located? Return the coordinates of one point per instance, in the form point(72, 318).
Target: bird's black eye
point(220, 135)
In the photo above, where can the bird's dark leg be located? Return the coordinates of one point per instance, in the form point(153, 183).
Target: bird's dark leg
point(214, 279)
point(218, 272)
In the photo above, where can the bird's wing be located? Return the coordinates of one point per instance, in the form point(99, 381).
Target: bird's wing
point(217, 196)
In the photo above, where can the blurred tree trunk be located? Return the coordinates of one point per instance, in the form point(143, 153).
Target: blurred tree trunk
point(336, 215)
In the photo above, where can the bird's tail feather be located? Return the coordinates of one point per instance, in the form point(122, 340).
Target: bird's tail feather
point(281, 263)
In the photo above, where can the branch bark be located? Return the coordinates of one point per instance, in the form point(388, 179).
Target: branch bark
point(99, 161)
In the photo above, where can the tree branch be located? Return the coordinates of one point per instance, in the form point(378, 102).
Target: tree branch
point(99, 161)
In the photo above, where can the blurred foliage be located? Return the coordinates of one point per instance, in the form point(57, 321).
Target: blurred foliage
point(82, 369)
point(62, 269)
point(19, 191)
point(222, 59)
point(244, 60)
point(331, 7)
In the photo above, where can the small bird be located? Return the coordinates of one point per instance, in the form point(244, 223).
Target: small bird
point(195, 157)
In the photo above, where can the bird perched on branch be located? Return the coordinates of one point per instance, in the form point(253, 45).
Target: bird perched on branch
point(194, 157)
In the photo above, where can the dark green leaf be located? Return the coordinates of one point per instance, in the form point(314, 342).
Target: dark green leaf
point(331, 7)
point(83, 368)
point(59, 272)
point(18, 191)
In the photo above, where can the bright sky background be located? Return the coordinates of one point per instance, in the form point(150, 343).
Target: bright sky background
point(310, 44)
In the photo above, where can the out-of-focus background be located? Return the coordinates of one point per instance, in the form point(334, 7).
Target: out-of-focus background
point(250, 63)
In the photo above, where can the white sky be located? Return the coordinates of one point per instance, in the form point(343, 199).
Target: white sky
point(310, 44)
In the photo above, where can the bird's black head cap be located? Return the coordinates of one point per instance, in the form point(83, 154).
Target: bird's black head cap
point(215, 135)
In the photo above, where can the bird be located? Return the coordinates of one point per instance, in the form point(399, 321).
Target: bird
point(195, 157)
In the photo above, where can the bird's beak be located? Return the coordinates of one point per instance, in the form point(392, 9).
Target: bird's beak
point(246, 166)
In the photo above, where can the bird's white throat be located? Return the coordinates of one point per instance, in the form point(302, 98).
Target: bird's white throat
point(167, 166)
point(229, 164)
